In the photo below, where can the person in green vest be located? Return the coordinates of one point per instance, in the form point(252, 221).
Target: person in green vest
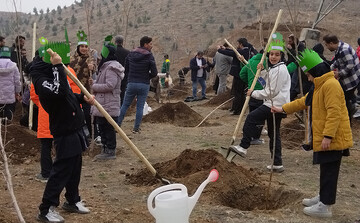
point(165, 69)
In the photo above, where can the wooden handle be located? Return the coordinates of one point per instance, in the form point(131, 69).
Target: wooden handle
point(109, 119)
point(256, 78)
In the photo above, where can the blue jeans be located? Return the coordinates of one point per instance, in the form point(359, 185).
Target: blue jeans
point(201, 81)
point(140, 91)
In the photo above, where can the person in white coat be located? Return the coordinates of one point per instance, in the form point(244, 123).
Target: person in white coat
point(275, 93)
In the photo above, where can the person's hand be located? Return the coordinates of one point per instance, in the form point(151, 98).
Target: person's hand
point(325, 144)
point(55, 59)
point(91, 100)
point(275, 109)
point(260, 66)
point(336, 74)
point(91, 66)
point(18, 97)
point(248, 93)
point(91, 81)
point(241, 58)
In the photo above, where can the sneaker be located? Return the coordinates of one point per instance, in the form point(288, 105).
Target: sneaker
point(264, 132)
point(136, 131)
point(257, 142)
point(318, 210)
point(311, 201)
point(79, 207)
point(105, 156)
point(276, 168)
point(97, 141)
point(357, 114)
point(239, 150)
point(51, 217)
point(39, 177)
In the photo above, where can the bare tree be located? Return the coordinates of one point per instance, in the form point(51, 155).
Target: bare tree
point(127, 6)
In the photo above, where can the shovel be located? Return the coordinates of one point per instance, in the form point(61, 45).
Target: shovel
point(115, 125)
point(228, 153)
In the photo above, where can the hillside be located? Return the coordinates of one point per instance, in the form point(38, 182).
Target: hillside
point(178, 27)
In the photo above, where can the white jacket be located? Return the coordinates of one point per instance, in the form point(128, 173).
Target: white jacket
point(277, 87)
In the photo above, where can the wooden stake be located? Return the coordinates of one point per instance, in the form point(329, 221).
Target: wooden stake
point(31, 107)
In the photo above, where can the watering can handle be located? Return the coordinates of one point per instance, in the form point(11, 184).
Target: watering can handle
point(162, 190)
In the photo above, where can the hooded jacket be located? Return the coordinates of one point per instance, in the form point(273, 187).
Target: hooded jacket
point(9, 81)
point(107, 88)
point(140, 63)
point(57, 99)
point(329, 113)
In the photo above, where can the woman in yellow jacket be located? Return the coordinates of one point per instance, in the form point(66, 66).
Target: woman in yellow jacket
point(330, 136)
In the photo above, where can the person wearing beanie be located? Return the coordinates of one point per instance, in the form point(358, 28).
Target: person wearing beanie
point(10, 85)
point(330, 133)
point(106, 89)
point(275, 92)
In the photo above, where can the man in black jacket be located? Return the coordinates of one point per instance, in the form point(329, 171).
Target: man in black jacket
point(238, 86)
point(121, 53)
point(66, 125)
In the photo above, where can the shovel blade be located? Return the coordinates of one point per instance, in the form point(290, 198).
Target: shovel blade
point(224, 151)
point(230, 156)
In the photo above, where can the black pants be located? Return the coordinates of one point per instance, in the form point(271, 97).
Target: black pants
point(64, 174)
point(7, 110)
point(45, 159)
point(238, 90)
point(253, 125)
point(254, 104)
point(329, 174)
point(350, 99)
point(216, 84)
point(107, 132)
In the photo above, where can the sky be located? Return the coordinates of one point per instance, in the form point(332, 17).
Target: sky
point(27, 6)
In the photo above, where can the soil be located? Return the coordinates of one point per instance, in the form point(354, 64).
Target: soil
point(117, 190)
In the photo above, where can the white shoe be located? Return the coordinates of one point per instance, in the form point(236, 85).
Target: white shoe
point(257, 142)
point(264, 132)
point(318, 210)
point(78, 207)
point(357, 114)
point(311, 201)
point(275, 168)
point(52, 216)
point(97, 141)
point(239, 150)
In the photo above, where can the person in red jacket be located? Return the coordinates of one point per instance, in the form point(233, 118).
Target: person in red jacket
point(43, 132)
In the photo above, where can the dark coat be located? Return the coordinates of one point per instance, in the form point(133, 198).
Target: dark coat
point(194, 68)
point(140, 65)
point(236, 64)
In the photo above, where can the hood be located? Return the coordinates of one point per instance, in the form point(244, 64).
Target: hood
point(139, 53)
point(6, 66)
point(39, 67)
point(115, 65)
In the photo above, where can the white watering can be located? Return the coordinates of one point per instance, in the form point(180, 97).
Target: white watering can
point(172, 204)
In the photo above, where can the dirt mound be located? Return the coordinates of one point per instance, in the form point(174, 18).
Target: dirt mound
point(292, 133)
point(179, 92)
point(178, 114)
point(236, 187)
point(219, 99)
point(21, 144)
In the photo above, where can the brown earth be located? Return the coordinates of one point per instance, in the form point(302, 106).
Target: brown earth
point(116, 191)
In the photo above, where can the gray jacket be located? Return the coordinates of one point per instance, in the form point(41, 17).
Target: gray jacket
point(222, 64)
point(107, 88)
point(9, 81)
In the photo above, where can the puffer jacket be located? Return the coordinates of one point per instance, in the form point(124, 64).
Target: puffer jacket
point(9, 81)
point(140, 63)
point(107, 88)
point(329, 113)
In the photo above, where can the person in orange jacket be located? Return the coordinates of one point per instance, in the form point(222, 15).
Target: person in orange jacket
point(43, 132)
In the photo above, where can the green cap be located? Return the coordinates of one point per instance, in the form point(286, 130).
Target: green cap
point(105, 50)
point(308, 59)
point(277, 43)
point(61, 48)
point(5, 52)
point(82, 38)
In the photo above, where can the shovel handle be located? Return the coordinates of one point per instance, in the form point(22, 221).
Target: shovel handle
point(255, 78)
point(109, 119)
